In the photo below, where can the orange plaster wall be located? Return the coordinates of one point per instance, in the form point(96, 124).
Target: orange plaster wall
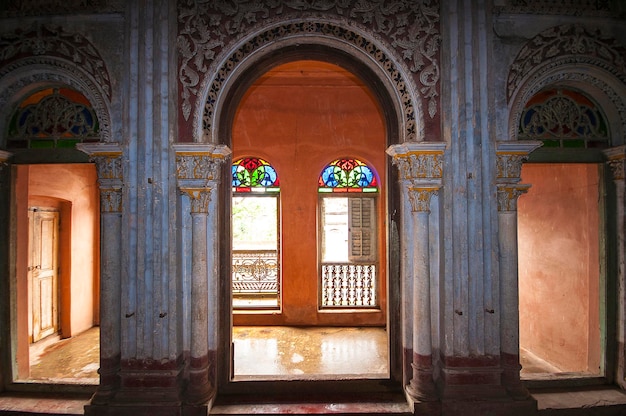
point(300, 121)
point(75, 183)
point(558, 222)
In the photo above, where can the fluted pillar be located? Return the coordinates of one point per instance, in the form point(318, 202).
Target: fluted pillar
point(509, 158)
point(616, 158)
point(107, 158)
point(421, 169)
point(198, 168)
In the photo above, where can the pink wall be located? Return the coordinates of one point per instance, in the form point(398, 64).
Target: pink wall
point(559, 265)
point(75, 184)
point(300, 116)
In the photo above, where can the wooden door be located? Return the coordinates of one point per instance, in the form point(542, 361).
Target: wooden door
point(44, 270)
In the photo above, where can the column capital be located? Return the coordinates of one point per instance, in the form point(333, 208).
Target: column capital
point(107, 157)
point(509, 158)
point(108, 160)
point(420, 196)
point(615, 159)
point(418, 162)
point(508, 195)
point(200, 198)
point(198, 164)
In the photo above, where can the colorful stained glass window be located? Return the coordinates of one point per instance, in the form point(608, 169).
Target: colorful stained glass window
point(564, 118)
point(53, 118)
point(347, 175)
point(252, 174)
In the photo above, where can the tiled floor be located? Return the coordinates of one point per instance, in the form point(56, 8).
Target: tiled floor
point(70, 361)
point(259, 351)
point(294, 351)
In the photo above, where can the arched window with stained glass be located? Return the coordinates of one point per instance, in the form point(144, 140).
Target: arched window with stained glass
point(253, 174)
point(564, 118)
point(347, 175)
point(348, 190)
point(53, 118)
point(255, 235)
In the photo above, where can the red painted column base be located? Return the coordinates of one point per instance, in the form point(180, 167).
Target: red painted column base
point(422, 387)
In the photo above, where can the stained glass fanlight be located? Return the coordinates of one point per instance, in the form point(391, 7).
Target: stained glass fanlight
point(347, 175)
point(53, 118)
point(253, 174)
point(564, 118)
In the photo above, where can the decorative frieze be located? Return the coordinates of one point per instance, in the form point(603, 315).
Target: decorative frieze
point(567, 43)
point(411, 28)
point(48, 40)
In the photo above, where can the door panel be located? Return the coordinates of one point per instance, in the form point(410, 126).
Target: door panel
point(44, 267)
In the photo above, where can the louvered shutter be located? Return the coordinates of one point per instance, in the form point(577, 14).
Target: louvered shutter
point(362, 231)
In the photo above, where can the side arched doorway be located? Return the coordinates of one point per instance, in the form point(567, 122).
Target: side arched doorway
point(54, 236)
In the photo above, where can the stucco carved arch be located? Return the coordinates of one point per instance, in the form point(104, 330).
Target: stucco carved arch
point(571, 56)
point(22, 77)
point(284, 41)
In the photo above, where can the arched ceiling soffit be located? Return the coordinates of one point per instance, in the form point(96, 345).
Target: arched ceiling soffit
point(568, 54)
point(401, 37)
point(46, 54)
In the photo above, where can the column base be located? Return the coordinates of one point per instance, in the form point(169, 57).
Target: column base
point(511, 377)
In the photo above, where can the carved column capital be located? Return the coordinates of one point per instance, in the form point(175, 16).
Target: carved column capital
point(420, 197)
point(197, 171)
point(421, 161)
point(108, 160)
point(508, 195)
point(200, 198)
point(509, 158)
point(615, 160)
point(198, 165)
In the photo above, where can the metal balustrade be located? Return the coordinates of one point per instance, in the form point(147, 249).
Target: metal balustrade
point(349, 285)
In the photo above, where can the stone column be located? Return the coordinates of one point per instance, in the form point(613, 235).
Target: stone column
point(108, 160)
point(198, 168)
point(509, 158)
point(421, 170)
point(616, 158)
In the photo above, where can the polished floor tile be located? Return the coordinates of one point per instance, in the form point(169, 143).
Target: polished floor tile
point(295, 351)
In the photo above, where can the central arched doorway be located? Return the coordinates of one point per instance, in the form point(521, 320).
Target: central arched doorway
point(304, 119)
point(314, 64)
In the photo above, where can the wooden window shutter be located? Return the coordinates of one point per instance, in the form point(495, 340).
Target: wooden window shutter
point(362, 231)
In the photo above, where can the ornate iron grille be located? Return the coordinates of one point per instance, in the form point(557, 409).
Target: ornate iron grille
point(255, 272)
point(349, 285)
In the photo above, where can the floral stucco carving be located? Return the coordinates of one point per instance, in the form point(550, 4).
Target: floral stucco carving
point(567, 44)
point(52, 41)
point(207, 27)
